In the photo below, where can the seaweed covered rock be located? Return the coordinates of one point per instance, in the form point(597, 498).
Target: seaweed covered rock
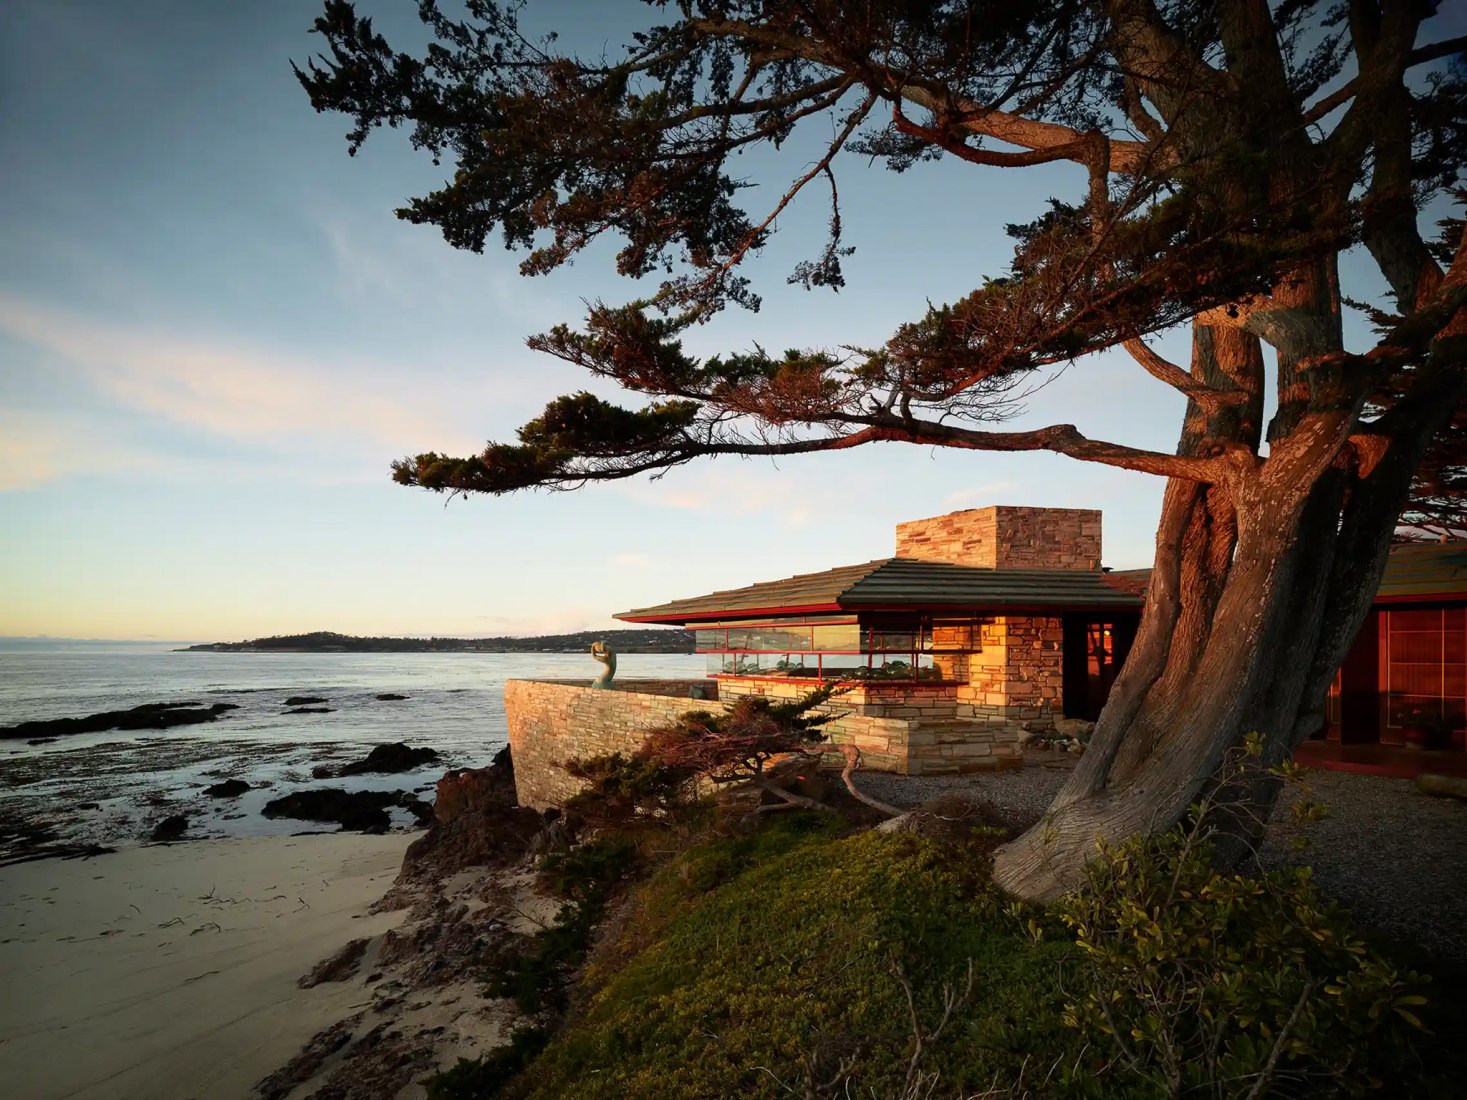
point(149, 716)
point(354, 811)
point(386, 759)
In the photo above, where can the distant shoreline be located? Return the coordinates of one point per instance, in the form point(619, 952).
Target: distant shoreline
point(649, 641)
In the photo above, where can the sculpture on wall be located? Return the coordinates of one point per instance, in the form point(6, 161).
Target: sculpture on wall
point(607, 656)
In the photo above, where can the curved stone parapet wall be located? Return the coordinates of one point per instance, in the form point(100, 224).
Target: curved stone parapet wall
point(551, 722)
point(916, 732)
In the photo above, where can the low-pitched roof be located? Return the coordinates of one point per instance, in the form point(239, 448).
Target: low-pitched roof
point(900, 583)
point(1414, 571)
point(1424, 571)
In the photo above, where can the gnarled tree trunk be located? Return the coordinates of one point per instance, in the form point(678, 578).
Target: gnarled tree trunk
point(1260, 584)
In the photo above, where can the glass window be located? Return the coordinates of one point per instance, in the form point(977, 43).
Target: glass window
point(837, 665)
point(888, 647)
point(779, 638)
point(876, 640)
point(842, 636)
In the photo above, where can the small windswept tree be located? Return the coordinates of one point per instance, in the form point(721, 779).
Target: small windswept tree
point(1230, 150)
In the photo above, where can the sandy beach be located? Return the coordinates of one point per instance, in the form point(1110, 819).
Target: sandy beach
point(169, 971)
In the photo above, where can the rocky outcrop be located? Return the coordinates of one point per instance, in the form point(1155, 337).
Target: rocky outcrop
point(354, 811)
point(230, 788)
point(305, 700)
point(338, 968)
point(476, 823)
point(311, 710)
point(149, 716)
point(170, 828)
point(386, 759)
point(390, 697)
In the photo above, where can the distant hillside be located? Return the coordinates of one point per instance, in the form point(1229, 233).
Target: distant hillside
point(324, 641)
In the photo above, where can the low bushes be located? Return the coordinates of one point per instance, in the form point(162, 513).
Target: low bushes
point(1201, 983)
point(803, 959)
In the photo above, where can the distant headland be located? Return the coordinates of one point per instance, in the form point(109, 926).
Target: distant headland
point(324, 641)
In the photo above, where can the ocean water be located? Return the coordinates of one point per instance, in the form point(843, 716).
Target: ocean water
point(455, 704)
point(455, 700)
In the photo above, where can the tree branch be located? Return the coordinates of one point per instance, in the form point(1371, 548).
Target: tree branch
point(1175, 377)
point(1420, 56)
point(1126, 157)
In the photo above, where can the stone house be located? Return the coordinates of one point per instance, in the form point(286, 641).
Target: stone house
point(984, 627)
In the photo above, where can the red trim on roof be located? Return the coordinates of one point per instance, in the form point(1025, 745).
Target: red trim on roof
point(731, 613)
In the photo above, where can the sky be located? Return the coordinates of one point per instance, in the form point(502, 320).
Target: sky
point(215, 337)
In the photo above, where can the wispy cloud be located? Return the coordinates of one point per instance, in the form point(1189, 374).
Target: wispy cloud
point(373, 259)
point(746, 489)
point(38, 448)
point(238, 392)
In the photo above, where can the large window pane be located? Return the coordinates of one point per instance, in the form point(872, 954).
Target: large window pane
point(841, 664)
point(704, 640)
point(840, 636)
point(889, 641)
point(779, 638)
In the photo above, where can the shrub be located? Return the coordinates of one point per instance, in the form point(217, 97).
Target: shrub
point(1199, 982)
point(486, 1076)
point(536, 979)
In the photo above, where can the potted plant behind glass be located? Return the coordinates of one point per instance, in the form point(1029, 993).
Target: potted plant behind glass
point(1417, 722)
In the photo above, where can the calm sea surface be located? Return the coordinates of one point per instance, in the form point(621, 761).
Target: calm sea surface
point(455, 700)
point(455, 704)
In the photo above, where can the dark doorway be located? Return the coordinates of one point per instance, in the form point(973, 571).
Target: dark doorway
point(1095, 648)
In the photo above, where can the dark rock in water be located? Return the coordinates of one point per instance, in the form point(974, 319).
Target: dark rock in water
point(391, 758)
point(323, 771)
point(390, 696)
point(149, 716)
point(305, 700)
point(43, 741)
point(355, 811)
point(230, 788)
point(422, 811)
point(88, 805)
point(170, 828)
point(311, 710)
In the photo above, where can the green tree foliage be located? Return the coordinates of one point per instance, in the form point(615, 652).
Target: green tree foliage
point(675, 764)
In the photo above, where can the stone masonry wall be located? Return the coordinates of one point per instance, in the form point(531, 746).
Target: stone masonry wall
point(1017, 677)
point(905, 730)
point(552, 722)
point(1006, 538)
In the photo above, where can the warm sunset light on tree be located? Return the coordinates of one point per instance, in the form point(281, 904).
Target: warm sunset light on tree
point(1226, 154)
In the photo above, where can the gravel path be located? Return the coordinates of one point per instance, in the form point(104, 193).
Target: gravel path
point(1395, 856)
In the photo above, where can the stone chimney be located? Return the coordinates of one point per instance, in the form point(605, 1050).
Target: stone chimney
point(1006, 538)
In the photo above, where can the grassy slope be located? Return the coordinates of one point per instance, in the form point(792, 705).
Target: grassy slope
point(747, 956)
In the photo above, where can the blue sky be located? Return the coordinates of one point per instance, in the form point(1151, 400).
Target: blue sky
point(215, 336)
